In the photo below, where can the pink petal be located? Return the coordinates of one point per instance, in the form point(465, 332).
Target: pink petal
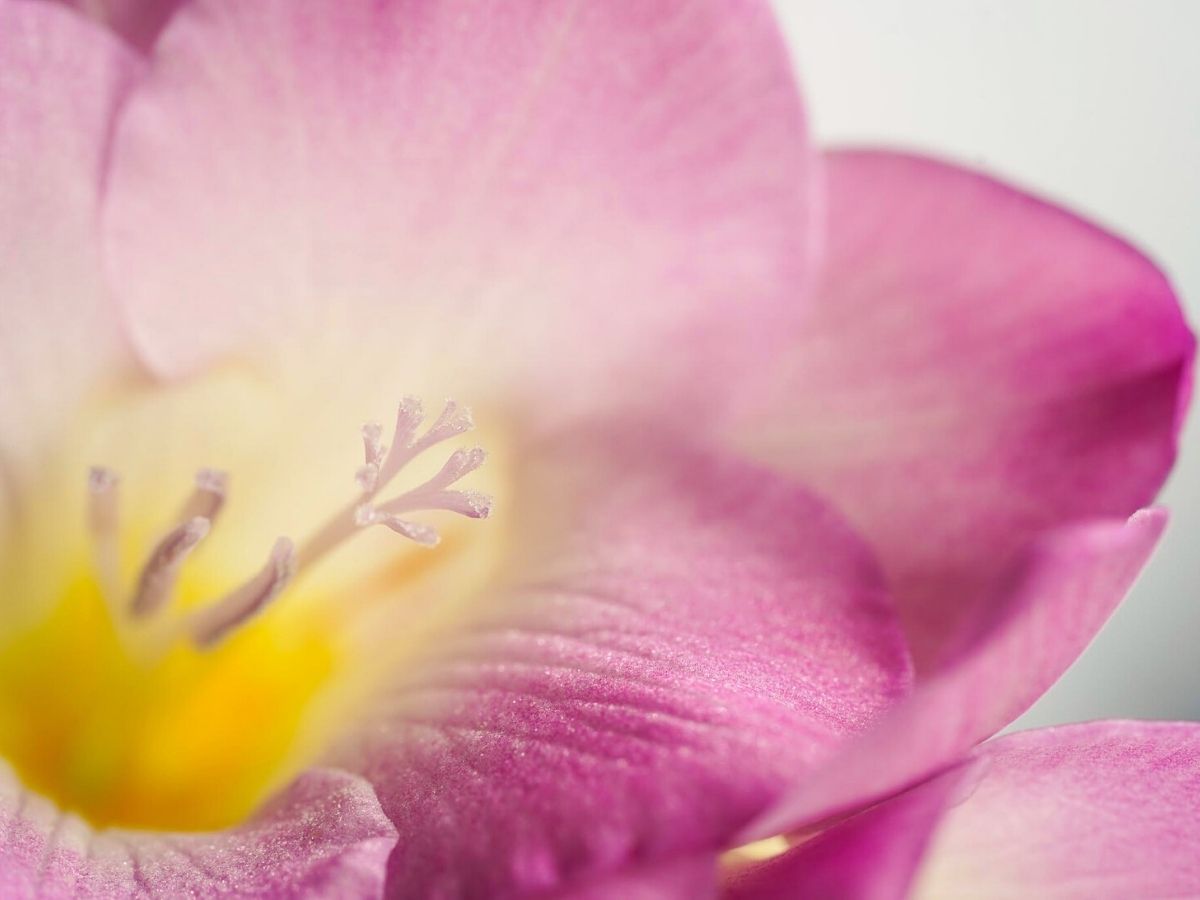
point(1019, 642)
point(62, 79)
point(682, 879)
point(1095, 811)
point(514, 198)
point(872, 856)
point(138, 21)
point(324, 836)
point(979, 366)
point(686, 636)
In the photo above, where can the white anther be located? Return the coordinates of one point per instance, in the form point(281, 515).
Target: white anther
point(102, 480)
point(102, 502)
point(207, 500)
point(212, 481)
point(104, 525)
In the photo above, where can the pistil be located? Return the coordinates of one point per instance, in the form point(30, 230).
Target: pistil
point(382, 464)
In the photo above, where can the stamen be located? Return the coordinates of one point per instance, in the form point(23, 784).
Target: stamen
point(208, 498)
point(102, 480)
point(162, 568)
point(209, 626)
point(103, 523)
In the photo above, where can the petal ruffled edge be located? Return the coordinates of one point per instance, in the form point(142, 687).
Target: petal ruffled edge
point(325, 835)
point(1095, 811)
point(978, 365)
point(1103, 810)
point(1017, 643)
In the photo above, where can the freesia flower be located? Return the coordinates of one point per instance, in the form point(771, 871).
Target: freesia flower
point(804, 474)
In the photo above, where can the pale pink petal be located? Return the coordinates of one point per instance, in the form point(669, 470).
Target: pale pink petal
point(978, 366)
point(62, 79)
point(1019, 641)
point(872, 856)
point(685, 636)
point(137, 21)
point(325, 836)
point(1103, 811)
point(518, 198)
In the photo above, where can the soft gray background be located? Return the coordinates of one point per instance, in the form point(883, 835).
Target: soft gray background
point(1095, 103)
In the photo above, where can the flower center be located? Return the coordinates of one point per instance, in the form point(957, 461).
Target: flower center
point(155, 701)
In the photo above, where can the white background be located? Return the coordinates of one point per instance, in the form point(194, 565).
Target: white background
point(1095, 103)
